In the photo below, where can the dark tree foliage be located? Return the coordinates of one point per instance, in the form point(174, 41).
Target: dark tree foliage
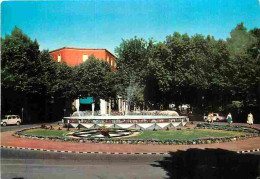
point(211, 75)
point(94, 78)
point(132, 66)
point(20, 67)
point(21, 72)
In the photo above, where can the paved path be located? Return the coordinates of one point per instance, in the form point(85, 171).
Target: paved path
point(8, 140)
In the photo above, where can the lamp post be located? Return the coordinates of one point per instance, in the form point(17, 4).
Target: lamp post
point(22, 113)
point(202, 103)
point(64, 111)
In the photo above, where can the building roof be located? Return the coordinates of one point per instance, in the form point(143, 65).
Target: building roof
point(83, 49)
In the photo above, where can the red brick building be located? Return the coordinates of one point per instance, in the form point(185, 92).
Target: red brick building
point(74, 56)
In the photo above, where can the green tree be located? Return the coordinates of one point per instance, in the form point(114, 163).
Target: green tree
point(244, 49)
point(95, 78)
point(21, 69)
point(132, 66)
point(21, 72)
point(240, 41)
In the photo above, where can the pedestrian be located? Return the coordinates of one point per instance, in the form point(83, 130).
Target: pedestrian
point(229, 118)
point(208, 118)
point(68, 125)
point(250, 119)
point(212, 117)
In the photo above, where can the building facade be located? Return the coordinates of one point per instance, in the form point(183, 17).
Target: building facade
point(75, 56)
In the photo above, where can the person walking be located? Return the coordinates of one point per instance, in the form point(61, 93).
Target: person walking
point(208, 118)
point(211, 117)
point(250, 119)
point(229, 118)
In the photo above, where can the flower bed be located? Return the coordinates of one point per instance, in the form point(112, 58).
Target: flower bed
point(249, 133)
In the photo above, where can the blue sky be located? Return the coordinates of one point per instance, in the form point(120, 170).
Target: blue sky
point(104, 23)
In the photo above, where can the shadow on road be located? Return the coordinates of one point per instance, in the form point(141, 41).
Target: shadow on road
point(210, 163)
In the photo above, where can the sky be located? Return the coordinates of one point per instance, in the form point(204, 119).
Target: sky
point(104, 23)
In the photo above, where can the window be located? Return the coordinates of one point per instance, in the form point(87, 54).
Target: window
point(59, 58)
point(115, 65)
point(112, 63)
point(107, 59)
point(85, 58)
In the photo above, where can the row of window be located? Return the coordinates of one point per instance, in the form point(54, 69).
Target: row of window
point(112, 63)
point(85, 58)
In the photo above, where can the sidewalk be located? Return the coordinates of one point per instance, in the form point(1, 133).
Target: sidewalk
point(10, 141)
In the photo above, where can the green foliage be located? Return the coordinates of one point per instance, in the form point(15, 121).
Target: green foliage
point(240, 40)
point(199, 70)
point(94, 78)
point(208, 74)
point(132, 65)
point(21, 69)
point(245, 64)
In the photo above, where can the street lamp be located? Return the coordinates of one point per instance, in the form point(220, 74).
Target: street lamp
point(64, 112)
point(22, 113)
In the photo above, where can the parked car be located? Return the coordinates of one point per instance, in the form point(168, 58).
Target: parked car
point(216, 117)
point(11, 120)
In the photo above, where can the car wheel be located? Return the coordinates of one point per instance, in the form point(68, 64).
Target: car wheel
point(18, 123)
point(217, 119)
point(4, 124)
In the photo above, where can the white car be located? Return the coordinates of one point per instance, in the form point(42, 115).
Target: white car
point(11, 119)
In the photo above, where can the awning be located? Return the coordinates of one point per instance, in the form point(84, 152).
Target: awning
point(88, 100)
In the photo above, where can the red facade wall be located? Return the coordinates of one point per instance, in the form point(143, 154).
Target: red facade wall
point(74, 56)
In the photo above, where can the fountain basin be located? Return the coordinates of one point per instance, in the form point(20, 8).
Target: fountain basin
point(139, 122)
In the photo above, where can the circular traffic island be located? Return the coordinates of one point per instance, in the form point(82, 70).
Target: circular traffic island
point(201, 134)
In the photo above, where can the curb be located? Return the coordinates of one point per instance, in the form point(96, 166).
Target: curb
point(76, 152)
point(110, 153)
point(249, 151)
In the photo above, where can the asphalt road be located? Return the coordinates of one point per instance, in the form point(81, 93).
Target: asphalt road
point(15, 127)
point(36, 164)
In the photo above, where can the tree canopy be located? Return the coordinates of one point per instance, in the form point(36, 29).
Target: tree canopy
point(94, 78)
point(209, 74)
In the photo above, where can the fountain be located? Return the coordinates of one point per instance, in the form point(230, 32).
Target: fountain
point(138, 122)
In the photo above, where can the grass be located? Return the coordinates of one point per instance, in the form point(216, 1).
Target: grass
point(47, 132)
point(184, 134)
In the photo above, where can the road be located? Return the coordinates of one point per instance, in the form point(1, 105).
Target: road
point(36, 164)
point(12, 128)
point(15, 127)
point(25, 164)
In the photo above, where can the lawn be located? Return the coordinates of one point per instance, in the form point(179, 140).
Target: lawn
point(184, 134)
point(46, 132)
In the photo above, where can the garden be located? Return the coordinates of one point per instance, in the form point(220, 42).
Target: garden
point(200, 134)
